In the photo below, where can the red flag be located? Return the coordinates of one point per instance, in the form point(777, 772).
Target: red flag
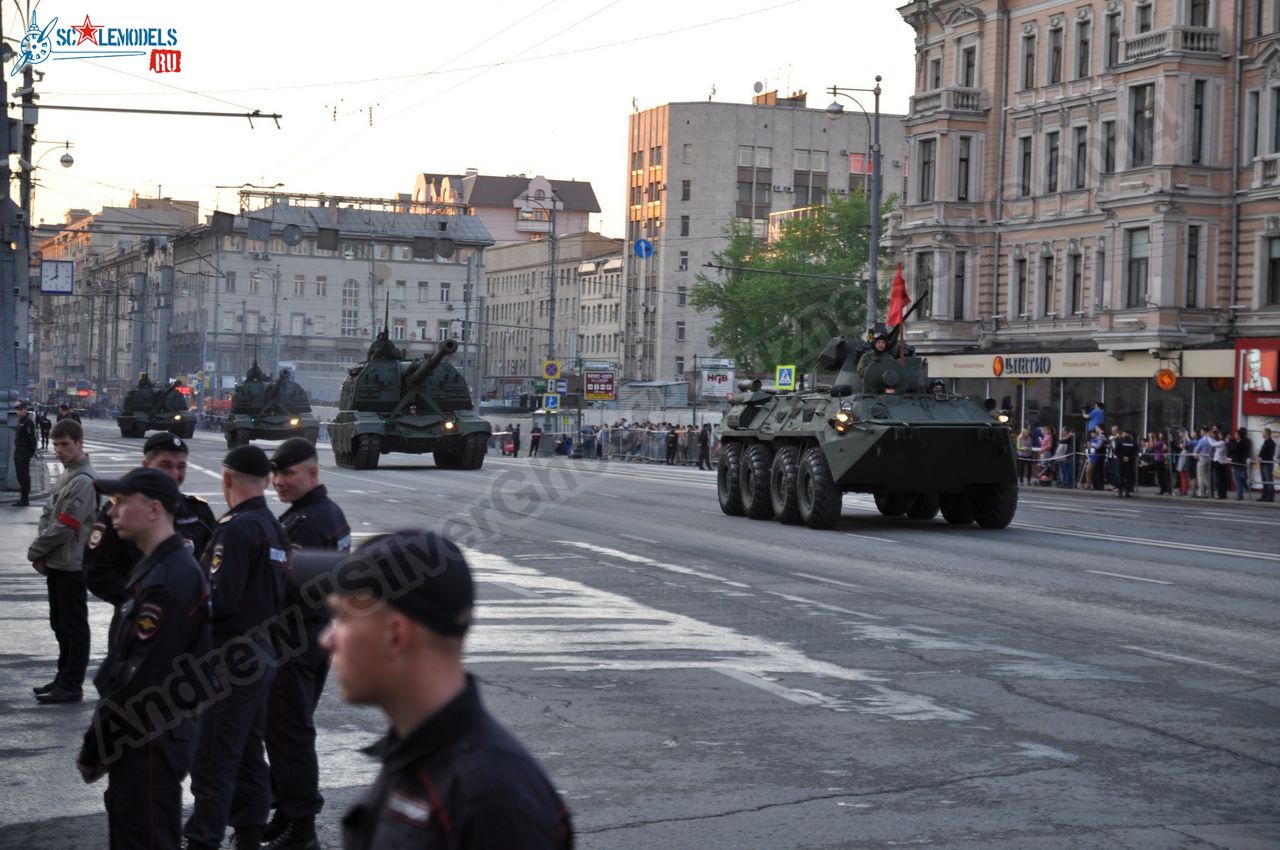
point(898, 298)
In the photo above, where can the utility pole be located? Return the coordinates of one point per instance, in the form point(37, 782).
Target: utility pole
point(275, 324)
point(244, 306)
point(551, 271)
point(11, 225)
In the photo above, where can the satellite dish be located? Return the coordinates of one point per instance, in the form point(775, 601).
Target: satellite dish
point(758, 87)
point(292, 234)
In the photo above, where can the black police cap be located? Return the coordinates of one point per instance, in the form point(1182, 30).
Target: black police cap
point(165, 442)
point(291, 452)
point(419, 573)
point(151, 483)
point(249, 460)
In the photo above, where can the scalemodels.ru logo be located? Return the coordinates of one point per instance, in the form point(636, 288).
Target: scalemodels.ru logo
point(98, 41)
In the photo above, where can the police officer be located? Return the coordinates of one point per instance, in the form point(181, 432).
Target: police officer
point(108, 559)
point(24, 447)
point(451, 775)
point(313, 521)
point(247, 561)
point(1126, 452)
point(43, 423)
point(164, 618)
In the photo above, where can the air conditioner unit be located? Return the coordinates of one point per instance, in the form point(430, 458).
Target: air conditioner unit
point(448, 307)
point(262, 255)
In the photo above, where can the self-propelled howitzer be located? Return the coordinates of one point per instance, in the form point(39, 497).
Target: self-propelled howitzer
point(148, 407)
point(881, 427)
point(262, 409)
point(391, 404)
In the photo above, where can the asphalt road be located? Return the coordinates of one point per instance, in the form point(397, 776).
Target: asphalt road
point(1103, 673)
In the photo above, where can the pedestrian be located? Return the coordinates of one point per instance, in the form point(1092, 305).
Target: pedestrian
point(44, 424)
point(1185, 453)
point(246, 561)
point(57, 554)
point(1267, 466)
point(65, 412)
point(1221, 462)
point(673, 444)
point(515, 441)
point(1046, 451)
point(1240, 454)
point(1024, 456)
point(1068, 467)
point(24, 448)
point(313, 521)
point(109, 559)
point(451, 775)
point(535, 437)
point(166, 619)
point(704, 447)
point(1158, 449)
point(1093, 472)
point(1127, 464)
point(1095, 418)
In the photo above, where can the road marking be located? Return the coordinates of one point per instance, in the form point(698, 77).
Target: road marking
point(1169, 656)
point(1233, 519)
point(870, 537)
point(650, 562)
point(639, 539)
point(516, 589)
point(1098, 536)
point(1130, 578)
point(798, 697)
point(545, 557)
point(381, 482)
point(828, 581)
point(824, 606)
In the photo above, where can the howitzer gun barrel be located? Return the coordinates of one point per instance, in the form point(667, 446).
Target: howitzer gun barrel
point(419, 374)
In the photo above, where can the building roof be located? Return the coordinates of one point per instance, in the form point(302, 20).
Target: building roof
point(464, 229)
point(480, 190)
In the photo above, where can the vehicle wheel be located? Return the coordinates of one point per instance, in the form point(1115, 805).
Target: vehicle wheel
point(451, 454)
point(241, 436)
point(188, 431)
point(782, 485)
point(817, 495)
point(138, 430)
point(126, 431)
point(891, 504)
point(922, 505)
point(474, 450)
point(995, 505)
point(728, 478)
point(753, 483)
point(957, 509)
point(342, 457)
point(367, 449)
point(311, 435)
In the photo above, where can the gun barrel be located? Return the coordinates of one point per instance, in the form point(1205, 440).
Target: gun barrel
point(447, 347)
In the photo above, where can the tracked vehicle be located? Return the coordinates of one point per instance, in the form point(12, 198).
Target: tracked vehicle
point(149, 407)
point(262, 409)
point(881, 427)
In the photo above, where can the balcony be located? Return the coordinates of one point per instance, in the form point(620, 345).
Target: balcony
point(950, 99)
point(1266, 172)
point(1174, 42)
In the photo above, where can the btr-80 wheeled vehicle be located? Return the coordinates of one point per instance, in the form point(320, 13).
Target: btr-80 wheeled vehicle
point(148, 407)
point(881, 427)
point(390, 404)
point(262, 409)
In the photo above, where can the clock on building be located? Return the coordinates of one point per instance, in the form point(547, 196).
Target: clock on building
point(57, 277)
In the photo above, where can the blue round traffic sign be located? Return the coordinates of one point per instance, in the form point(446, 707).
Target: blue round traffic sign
point(644, 249)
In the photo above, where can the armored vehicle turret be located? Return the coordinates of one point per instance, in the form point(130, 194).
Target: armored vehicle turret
point(393, 404)
point(148, 407)
point(262, 409)
point(881, 427)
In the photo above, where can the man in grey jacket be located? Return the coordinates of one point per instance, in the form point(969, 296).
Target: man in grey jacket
point(56, 554)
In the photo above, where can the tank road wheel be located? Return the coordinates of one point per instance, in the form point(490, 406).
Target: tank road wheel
point(891, 504)
point(126, 431)
point(188, 431)
point(817, 495)
point(240, 436)
point(342, 456)
point(922, 505)
point(311, 435)
point(450, 454)
point(956, 508)
point(782, 485)
point(366, 451)
point(995, 504)
point(753, 483)
point(728, 478)
point(139, 430)
point(473, 450)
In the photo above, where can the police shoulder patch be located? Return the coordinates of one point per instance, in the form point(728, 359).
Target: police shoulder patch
point(279, 555)
point(215, 559)
point(415, 810)
point(148, 621)
point(95, 536)
point(226, 518)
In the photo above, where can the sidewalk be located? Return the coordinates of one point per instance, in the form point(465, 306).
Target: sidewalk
point(1149, 494)
point(40, 481)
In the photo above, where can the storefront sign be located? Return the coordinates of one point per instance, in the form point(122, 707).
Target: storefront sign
point(598, 386)
point(1257, 373)
point(1020, 364)
point(717, 383)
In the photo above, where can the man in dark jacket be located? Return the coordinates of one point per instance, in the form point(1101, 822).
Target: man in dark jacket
point(451, 775)
point(673, 443)
point(1126, 452)
point(1240, 453)
point(24, 448)
point(1267, 466)
point(704, 446)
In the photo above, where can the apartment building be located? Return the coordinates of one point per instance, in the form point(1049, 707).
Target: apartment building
point(513, 208)
point(1093, 199)
point(695, 166)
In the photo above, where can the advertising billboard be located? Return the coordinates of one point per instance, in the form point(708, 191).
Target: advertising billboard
point(597, 386)
point(716, 383)
point(1257, 375)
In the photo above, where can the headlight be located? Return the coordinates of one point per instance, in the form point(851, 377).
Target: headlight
point(1003, 417)
point(295, 421)
point(177, 417)
point(841, 421)
point(449, 424)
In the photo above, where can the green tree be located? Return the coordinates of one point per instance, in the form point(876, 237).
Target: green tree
point(785, 299)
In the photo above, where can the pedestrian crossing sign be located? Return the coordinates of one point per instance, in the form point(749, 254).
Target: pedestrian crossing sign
point(784, 377)
point(551, 402)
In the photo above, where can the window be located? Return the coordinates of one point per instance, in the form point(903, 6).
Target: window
point(1047, 284)
point(230, 280)
point(962, 168)
point(1108, 147)
point(684, 225)
point(1084, 48)
point(255, 283)
point(1144, 15)
point(679, 331)
point(322, 286)
point(684, 262)
point(1275, 119)
point(1193, 264)
point(1028, 61)
point(1055, 56)
point(1080, 171)
point(757, 157)
point(958, 294)
point(398, 328)
point(1252, 118)
point(299, 284)
point(424, 292)
point(687, 154)
point(421, 332)
point(1020, 288)
point(1197, 121)
point(923, 281)
point(1273, 271)
point(1138, 245)
point(1075, 299)
point(1143, 123)
point(1113, 40)
point(682, 296)
point(1051, 161)
point(297, 324)
point(686, 189)
point(442, 330)
point(350, 308)
point(679, 366)
point(1024, 167)
point(969, 67)
point(401, 292)
point(1199, 13)
point(444, 291)
point(935, 73)
point(926, 169)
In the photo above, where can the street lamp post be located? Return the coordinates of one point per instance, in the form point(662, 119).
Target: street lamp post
point(529, 204)
point(835, 109)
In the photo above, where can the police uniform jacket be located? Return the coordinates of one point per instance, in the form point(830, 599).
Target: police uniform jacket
point(315, 522)
point(458, 781)
point(247, 561)
point(108, 560)
point(24, 442)
point(164, 617)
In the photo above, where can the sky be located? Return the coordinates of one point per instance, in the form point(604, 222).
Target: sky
point(373, 94)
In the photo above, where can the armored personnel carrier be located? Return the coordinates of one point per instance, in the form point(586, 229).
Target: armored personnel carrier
point(390, 404)
point(262, 409)
point(148, 407)
point(881, 427)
